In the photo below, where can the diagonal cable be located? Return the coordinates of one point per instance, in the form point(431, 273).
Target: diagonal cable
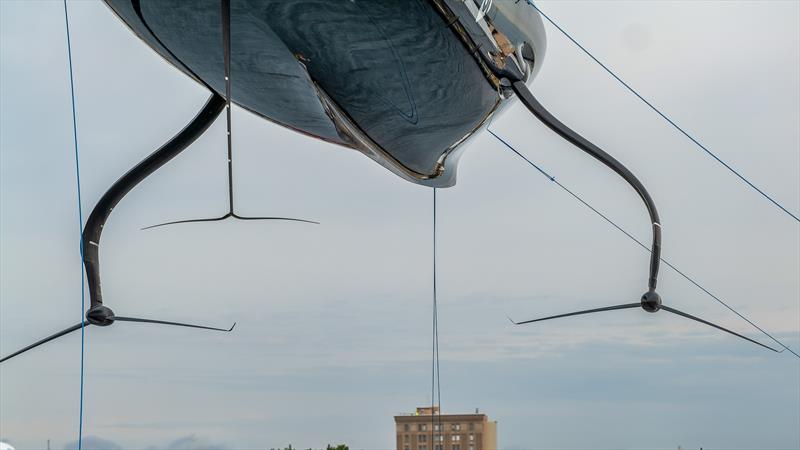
point(640, 243)
point(664, 116)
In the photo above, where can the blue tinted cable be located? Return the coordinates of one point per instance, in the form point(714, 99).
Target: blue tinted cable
point(80, 219)
point(641, 244)
point(664, 116)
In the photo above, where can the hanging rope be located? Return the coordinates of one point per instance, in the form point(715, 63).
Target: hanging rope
point(640, 243)
point(80, 219)
point(436, 385)
point(664, 116)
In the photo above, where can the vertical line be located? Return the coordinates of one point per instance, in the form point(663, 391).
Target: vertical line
point(436, 384)
point(433, 330)
point(80, 219)
point(226, 43)
point(436, 302)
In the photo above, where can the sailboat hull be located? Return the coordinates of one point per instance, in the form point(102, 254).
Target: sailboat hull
point(390, 78)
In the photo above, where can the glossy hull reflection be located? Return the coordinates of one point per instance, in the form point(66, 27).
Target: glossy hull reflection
point(390, 78)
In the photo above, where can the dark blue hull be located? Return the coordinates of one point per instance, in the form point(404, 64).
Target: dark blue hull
point(390, 78)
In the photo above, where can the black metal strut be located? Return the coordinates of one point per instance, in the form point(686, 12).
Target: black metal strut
point(513, 72)
point(650, 300)
point(226, 46)
point(99, 314)
point(596, 152)
point(120, 188)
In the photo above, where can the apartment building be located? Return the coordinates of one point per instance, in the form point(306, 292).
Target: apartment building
point(425, 429)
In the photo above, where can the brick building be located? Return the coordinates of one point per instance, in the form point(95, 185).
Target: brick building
point(426, 430)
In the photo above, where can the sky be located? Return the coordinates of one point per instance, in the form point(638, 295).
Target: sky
point(334, 321)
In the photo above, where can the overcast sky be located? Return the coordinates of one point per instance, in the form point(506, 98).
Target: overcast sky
point(333, 334)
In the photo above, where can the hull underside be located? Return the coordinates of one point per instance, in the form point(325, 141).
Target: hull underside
point(389, 78)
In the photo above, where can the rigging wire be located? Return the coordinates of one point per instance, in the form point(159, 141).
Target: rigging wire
point(80, 220)
point(640, 243)
point(436, 384)
point(436, 302)
point(664, 116)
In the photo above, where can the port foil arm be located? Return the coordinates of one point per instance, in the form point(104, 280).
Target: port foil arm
point(97, 219)
point(177, 324)
point(111, 319)
point(45, 340)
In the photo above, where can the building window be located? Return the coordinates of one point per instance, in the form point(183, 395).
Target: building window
point(422, 447)
point(455, 427)
point(422, 438)
point(422, 427)
point(439, 447)
point(406, 427)
point(407, 438)
point(455, 438)
point(472, 427)
point(455, 447)
point(437, 427)
point(438, 438)
point(471, 437)
point(471, 447)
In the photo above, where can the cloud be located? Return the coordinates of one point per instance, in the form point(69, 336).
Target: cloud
point(94, 443)
point(193, 443)
point(190, 442)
